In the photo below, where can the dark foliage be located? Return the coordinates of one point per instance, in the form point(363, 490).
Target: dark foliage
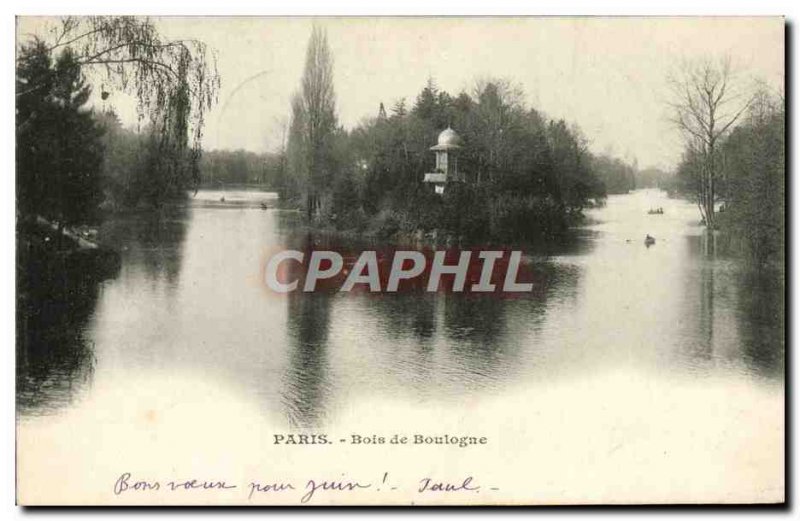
point(59, 150)
point(526, 177)
point(755, 181)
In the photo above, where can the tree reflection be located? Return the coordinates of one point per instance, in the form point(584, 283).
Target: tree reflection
point(406, 315)
point(306, 378)
point(152, 241)
point(475, 326)
point(761, 314)
point(705, 319)
point(56, 297)
point(480, 335)
point(734, 311)
point(700, 309)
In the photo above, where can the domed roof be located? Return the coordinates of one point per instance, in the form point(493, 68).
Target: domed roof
point(448, 139)
point(448, 136)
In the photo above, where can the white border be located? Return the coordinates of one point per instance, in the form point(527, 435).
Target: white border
point(316, 7)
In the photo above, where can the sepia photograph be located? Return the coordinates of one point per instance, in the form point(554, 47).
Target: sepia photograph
point(395, 261)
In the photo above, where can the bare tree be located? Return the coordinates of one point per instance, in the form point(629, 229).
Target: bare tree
point(707, 102)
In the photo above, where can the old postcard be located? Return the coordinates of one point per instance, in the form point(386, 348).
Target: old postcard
point(400, 261)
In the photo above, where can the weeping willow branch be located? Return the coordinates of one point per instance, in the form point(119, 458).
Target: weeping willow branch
point(136, 59)
point(175, 82)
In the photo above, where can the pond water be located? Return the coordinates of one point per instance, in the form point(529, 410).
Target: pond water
point(630, 373)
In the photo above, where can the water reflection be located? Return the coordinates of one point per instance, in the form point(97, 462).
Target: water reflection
point(705, 320)
point(306, 378)
point(732, 312)
point(56, 298)
point(758, 305)
point(761, 311)
point(407, 316)
point(150, 241)
point(188, 300)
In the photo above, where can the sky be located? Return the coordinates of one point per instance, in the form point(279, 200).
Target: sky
point(607, 75)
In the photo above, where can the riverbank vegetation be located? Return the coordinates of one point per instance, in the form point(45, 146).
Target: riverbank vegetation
point(224, 168)
point(733, 163)
point(754, 158)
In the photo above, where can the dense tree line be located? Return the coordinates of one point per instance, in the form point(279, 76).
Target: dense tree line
point(135, 167)
point(617, 176)
point(526, 176)
point(241, 167)
point(653, 177)
point(754, 160)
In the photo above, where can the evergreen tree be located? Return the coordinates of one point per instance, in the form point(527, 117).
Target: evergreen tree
point(59, 146)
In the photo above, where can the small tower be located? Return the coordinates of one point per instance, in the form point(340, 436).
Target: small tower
point(446, 150)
